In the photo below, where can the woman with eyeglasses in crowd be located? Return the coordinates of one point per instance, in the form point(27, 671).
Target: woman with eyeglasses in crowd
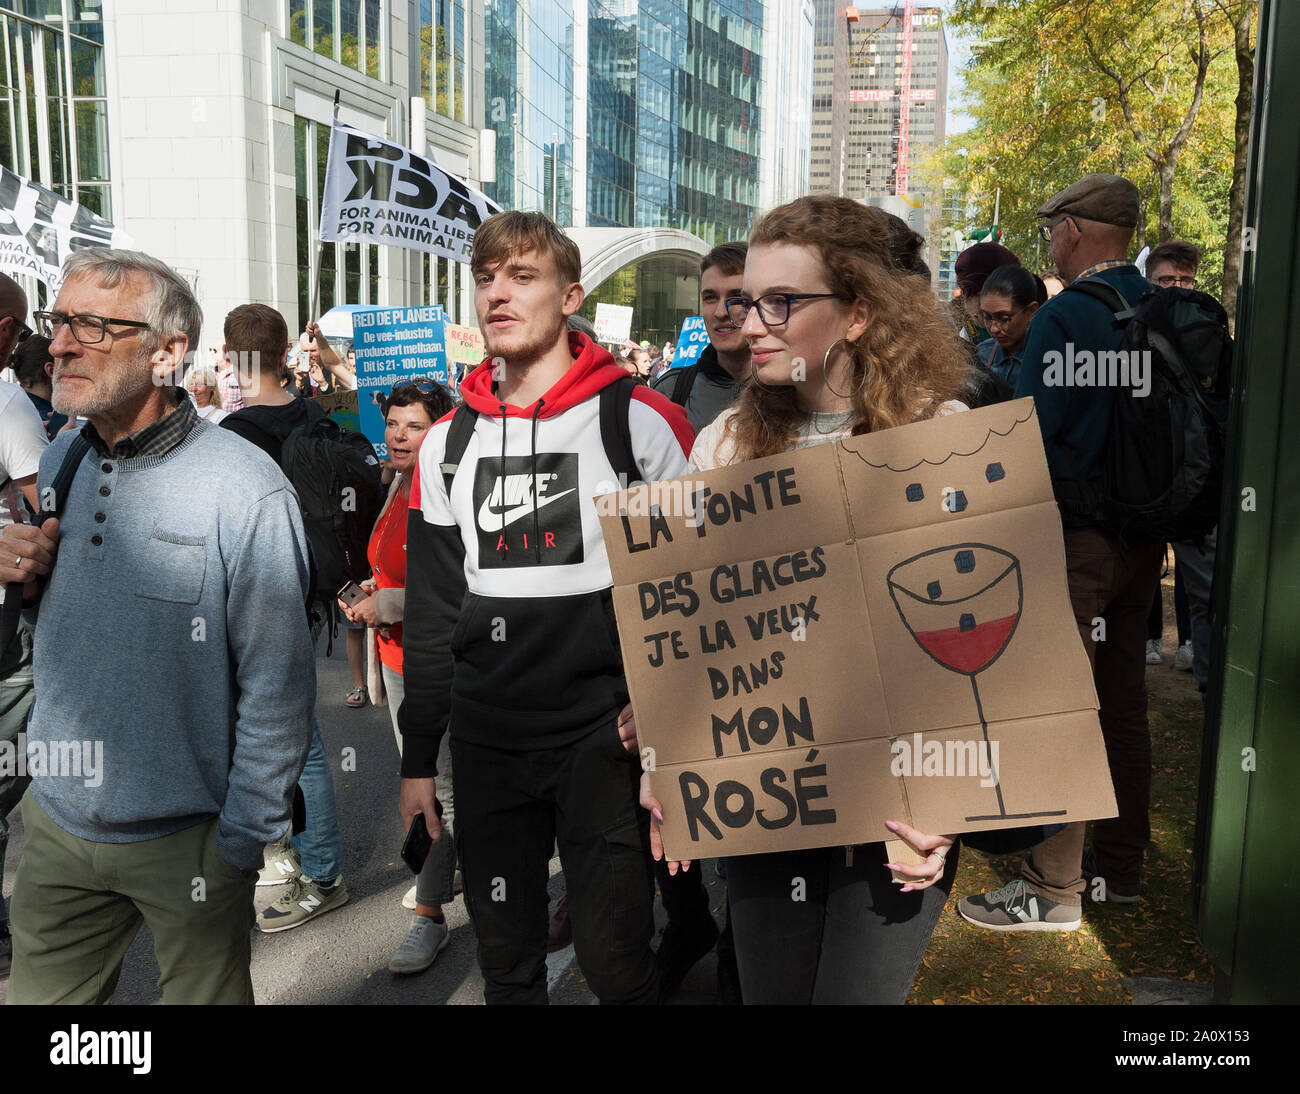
point(410, 410)
point(1010, 297)
point(843, 341)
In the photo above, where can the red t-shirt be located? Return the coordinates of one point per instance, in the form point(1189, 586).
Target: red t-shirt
point(387, 554)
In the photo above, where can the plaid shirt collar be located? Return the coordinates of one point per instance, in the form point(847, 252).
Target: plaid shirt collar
point(156, 439)
point(1109, 264)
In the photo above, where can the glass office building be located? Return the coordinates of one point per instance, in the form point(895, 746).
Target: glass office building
point(528, 89)
point(666, 109)
point(53, 113)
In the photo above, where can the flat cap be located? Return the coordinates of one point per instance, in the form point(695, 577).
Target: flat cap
point(1109, 199)
point(974, 265)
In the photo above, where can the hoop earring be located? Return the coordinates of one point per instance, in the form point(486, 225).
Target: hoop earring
point(826, 376)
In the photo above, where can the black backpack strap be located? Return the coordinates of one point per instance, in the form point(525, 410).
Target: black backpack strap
point(616, 431)
point(1107, 294)
point(458, 435)
point(685, 382)
point(13, 603)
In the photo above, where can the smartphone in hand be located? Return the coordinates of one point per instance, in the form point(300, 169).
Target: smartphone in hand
point(418, 843)
point(352, 594)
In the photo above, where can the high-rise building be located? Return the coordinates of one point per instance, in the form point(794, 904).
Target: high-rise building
point(880, 89)
point(633, 113)
point(787, 101)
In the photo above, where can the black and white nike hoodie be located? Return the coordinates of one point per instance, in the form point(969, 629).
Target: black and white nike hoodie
point(508, 626)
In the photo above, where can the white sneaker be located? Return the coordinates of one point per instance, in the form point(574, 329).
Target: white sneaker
point(408, 901)
point(1153, 651)
point(422, 944)
point(1183, 657)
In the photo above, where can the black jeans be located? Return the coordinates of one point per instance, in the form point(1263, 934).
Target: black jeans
point(511, 808)
point(811, 929)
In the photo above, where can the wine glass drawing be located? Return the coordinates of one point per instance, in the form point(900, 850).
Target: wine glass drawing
point(961, 604)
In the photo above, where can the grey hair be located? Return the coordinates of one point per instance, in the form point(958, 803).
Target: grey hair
point(169, 310)
point(205, 376)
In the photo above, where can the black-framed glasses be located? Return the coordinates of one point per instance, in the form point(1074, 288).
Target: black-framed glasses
point(999, 321)
point(423, 386)
point(773, 308)
point(89, 330)
point(1045, 230)
point(1171, 281)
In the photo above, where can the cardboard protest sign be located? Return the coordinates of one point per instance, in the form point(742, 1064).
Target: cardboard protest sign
point(394, 344)
point(341, 407)
point(465, 350)
point(691, 341)
point(381, 192)
point(39, 229)
point(876, 629)
point(613, 323)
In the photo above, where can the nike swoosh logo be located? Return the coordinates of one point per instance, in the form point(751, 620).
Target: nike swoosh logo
point(492, 520)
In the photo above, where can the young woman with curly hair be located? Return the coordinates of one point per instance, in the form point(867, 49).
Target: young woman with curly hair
point(845, 339)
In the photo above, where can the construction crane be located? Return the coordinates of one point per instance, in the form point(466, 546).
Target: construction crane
point(859, 56)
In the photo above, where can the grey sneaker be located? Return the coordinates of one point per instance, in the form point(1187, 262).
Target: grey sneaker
point(423, 942)
point(280, 863)
point(305, 899)
point(1183, 659)
point(1153, 651)
point(1016, 907)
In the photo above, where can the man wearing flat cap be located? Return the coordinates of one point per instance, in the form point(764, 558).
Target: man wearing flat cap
point(1089, 225)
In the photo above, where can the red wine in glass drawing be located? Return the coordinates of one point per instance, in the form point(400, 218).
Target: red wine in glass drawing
point(961, 604)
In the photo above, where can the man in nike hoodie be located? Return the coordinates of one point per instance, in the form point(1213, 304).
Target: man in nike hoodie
point(509, 631)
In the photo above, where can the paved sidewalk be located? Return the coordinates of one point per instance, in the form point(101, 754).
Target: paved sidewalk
point(343, 956)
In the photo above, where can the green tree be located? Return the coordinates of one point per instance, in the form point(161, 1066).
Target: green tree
point(1147, 89)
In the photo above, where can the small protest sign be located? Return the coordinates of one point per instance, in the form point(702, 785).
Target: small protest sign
point(691, 341)
point(465, 350)
point(342, 407)
point(613, 323)
point(394, 344)
point(876, 629)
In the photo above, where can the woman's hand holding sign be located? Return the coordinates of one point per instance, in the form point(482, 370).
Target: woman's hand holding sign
point(935, 848)
point(651, 804)
point(627, 734)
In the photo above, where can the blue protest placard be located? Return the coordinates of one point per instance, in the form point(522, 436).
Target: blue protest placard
point(394, 344)
point(691, 341)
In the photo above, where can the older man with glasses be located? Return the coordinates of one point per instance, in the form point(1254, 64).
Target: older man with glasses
point(180, 547)
point(1090, 225)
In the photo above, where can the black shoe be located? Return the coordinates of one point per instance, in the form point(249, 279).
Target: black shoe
point(1100, 889)
point(679, 951)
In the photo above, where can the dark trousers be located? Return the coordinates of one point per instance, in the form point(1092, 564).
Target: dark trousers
point(1114, 585)
point(1156, 620)
point(511, 809)
point(812, 929)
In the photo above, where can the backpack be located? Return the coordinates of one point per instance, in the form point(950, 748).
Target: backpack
point(615, 433)
point(1162, 467)
point(683, 384)
point(337, 477)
